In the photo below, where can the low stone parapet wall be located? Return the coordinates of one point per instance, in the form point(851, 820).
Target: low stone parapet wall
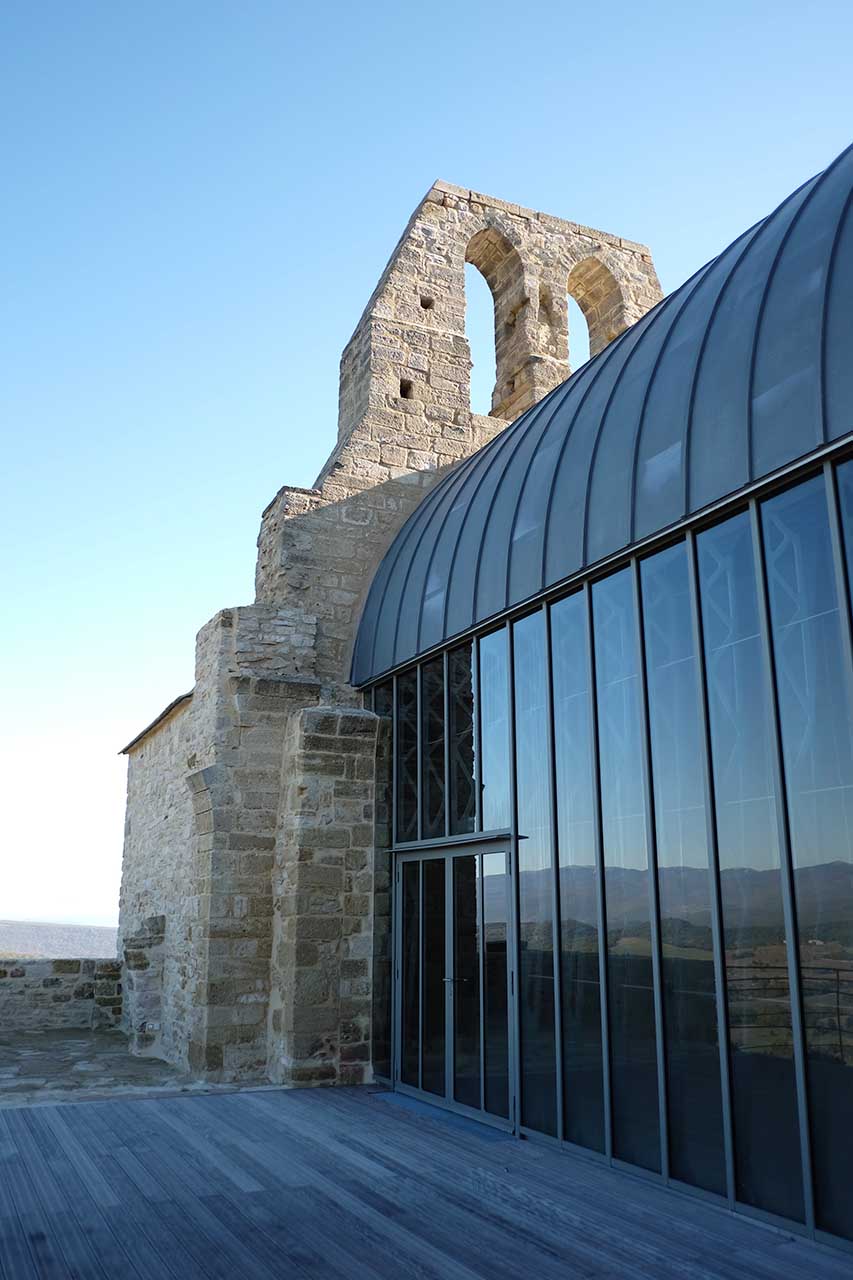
point(40, 995)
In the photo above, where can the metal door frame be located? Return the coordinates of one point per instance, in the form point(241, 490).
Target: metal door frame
point(447, 852)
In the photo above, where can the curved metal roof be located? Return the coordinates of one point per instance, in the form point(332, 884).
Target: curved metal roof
point(747, 366)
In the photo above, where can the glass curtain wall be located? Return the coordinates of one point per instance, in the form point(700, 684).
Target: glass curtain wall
point(671, 750)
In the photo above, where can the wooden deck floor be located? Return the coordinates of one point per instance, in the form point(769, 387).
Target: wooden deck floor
point(344, 1183)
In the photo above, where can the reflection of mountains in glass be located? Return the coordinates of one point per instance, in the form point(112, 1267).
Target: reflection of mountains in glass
point(750, 898)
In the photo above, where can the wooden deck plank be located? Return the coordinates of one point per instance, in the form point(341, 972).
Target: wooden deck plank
point(523, 1216)
point(327, 1184)
point(42, 1236)
point(60, 1120)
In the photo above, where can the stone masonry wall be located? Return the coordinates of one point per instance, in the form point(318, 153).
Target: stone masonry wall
point(323, 900)
point(236, 802)
point(37, 995)
point(382, 958)
point(158, 879)
point(175, 853)
point(143, 955)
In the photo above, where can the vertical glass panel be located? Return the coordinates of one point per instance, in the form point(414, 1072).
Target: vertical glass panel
point(466, 982)
point(495, 1005)
point(411, 977)
point(583, 1083)
point(494, 731)
point(432, 1078)
point(694, 1095)
point(383, 703)
point(767, 1149)
point(460, 739)
point(535, 880)
point(407, 757)
point(814, 710)
point(633, 1050)
point(432, 761)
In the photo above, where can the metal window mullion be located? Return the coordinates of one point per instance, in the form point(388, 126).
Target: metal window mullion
point(445, 671)
point(397, 972)
point(449, 974)
point(787, 869)
point(555, 873)
point(515, 1074)
point(842, 584)
point(654, 893)
point(717, 924)
point(477, 734)
point(481, 926)
point(395, 773)
point(421, 974)
point(419, 753)
point(601, 903)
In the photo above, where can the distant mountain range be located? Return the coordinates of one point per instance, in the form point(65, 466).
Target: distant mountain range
point(25, 939)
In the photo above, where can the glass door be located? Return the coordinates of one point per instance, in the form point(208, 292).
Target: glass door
point(454, 979)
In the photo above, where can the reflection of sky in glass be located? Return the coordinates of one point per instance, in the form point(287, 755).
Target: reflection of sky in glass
point(535, 909)
point(494, 731)
point(534, 850)
point(737, 697)
point(813, 708)
point(572, 742)
point(673, 711)
point(814, 712)
point(620, 740)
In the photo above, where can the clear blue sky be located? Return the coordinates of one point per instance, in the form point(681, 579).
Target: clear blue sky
point(198, 199)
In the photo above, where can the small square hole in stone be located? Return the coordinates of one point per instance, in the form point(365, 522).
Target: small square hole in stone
point(407, 389)
point(426, 302)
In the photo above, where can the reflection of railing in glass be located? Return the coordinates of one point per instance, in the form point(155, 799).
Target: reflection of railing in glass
point(828, 998)
point(760, 1014)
